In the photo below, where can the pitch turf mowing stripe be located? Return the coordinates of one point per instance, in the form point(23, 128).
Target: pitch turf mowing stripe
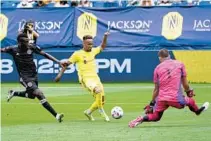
point(180, 127)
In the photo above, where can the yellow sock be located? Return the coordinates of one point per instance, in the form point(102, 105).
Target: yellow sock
point(99, 100)
point(92, 108)
point(100, 103)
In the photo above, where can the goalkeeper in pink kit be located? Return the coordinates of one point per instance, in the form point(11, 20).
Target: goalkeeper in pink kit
point(169, 77)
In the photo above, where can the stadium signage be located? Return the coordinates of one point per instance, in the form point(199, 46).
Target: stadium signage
point(131, 26)
point(44, 27)
point(46, 66)
point(202, 25)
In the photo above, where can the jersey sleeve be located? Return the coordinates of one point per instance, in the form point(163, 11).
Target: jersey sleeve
point(155, 76)
point(7, 49)
point(183, 71)
point(37, 49)
point(97, 50)
point(73, 58)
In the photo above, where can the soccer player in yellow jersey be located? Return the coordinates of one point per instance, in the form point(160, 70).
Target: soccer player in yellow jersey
point(88, 77)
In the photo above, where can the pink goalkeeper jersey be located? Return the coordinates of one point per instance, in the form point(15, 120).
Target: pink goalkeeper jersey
point(168, 76)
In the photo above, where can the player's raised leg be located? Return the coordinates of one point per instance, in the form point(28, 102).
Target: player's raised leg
point(39, 94)
point(151, 116)
point(24, 94)
point(100, 99)
point(190, 102)
point(12, 93)
point(94, 85)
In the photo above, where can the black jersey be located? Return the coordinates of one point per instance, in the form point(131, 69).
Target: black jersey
point(24, 61)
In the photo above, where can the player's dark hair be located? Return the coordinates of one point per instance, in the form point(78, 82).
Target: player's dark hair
point(27, 24)
point(163, 53)
point(22, 37)
point(87, 37)
point(30, 22)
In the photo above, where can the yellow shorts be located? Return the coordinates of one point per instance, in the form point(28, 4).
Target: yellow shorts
point(91, 83)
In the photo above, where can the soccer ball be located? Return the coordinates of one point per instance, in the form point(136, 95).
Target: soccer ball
point(117, 112)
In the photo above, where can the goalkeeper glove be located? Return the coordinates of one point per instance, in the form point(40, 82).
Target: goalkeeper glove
point(149, 108)
point(190, 93)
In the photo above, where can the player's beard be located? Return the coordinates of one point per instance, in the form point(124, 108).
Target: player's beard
point(89, 50)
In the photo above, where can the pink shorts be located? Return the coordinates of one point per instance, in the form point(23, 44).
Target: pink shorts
point(163, 105)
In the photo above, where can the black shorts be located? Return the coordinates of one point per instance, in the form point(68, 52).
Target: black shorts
point(30, 84)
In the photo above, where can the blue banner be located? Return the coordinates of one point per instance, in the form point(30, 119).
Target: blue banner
point(55, 26)
point(149, 27)
point(133, 28)
point(133, 66)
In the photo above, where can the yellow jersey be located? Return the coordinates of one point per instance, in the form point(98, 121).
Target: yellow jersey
point(85, 62)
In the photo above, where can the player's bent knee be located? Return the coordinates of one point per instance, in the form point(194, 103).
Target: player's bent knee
point(97, 90)
point(30, 96)
point(39, 94)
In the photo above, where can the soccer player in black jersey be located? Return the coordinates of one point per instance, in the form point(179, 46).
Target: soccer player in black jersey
point(23, 57)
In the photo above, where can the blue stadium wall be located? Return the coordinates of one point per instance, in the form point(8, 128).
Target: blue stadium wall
point(116, 66)
point(131, 54)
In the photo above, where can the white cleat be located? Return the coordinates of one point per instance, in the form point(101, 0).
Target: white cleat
point(10, 95)
point(206, 106)
point(59, 117)
point(89, 116)
point(107, 119)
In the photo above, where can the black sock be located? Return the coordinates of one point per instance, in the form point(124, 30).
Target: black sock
point(199, 111)
point(145, 118)
point(47, 106)
point(23, 94)
point(20, 93)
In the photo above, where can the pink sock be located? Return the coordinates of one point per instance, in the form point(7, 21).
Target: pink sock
point(190, 102)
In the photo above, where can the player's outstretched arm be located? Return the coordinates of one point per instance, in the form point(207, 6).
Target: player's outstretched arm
point(104, 42)
point(50, 57)
point(3, 50)
point(65, 64)
point(6, 50)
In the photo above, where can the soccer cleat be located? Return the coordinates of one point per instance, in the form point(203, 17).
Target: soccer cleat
point(10, 95)
point(59, 117)
point(203, 108)
point(106, 118)
point(206, 106)
point(136, 122)
point(89, 116)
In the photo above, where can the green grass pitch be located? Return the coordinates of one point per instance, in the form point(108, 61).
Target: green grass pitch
point(26, 120)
